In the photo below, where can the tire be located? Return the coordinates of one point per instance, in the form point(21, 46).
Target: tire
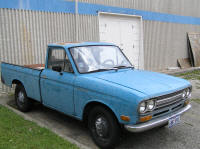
point(22, 101)
point(103, 127)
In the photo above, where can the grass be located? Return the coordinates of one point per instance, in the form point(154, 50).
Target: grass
point(193, 75)
point(196, 100)
point(17, 133)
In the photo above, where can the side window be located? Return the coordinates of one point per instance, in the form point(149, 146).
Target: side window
point(58, 60)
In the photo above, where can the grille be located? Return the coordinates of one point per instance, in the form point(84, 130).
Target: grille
point(167, 100)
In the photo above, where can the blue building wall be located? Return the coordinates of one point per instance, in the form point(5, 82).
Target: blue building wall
point(67, 6)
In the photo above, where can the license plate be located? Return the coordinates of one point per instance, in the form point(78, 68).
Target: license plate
point(174, 120)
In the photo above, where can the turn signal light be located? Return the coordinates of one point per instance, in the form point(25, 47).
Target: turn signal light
point(186, 102)
point(125, 118)
point(145, 118)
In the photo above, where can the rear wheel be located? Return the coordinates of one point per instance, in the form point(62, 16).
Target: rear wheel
point(103, 127)
point(22, 101)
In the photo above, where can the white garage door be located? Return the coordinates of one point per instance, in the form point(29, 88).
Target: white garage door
point(126, 32)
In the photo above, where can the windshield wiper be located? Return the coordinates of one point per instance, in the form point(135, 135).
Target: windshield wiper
point(121, 67)
point(104, 69)
point(114, 68)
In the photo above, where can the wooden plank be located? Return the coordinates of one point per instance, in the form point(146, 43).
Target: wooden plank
point(184, 63)
point(194, 48)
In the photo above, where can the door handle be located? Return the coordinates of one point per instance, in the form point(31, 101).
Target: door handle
point(44, 77)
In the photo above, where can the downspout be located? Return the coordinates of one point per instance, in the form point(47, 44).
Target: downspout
point(76, 20)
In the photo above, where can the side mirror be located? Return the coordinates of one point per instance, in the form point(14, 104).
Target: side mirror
point(57, 68)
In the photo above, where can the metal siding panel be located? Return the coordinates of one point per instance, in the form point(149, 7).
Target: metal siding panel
point(178, 7)
point(88, 28)
point(23, 52)
point(4, 56)
point(25, 35)
point(164, 43)
point(39, 33)
point(1, 44)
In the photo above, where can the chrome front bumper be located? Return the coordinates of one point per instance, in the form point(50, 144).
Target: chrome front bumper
point(155, 122)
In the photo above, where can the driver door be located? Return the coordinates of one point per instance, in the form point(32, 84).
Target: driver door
point(57, 82)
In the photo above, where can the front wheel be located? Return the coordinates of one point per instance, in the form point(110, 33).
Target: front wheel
point(103, 127)
point(22, 101)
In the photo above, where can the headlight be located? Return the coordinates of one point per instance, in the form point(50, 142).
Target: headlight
point(142, 107)
point(188, 93)
point(150, 105)
point(145, 106)
point(184, 94)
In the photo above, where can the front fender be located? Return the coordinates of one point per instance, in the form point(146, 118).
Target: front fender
point(120, 99)
point(83, 97)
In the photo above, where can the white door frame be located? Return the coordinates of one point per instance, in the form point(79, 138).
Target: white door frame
point(141, 47)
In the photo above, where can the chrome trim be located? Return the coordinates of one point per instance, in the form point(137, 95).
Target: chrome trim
point(155, 122)
point(169, 99)
point(169, 103)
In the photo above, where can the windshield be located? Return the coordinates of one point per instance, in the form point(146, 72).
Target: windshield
point(98, 58)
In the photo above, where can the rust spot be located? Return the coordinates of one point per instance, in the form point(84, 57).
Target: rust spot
point(62, 43)
point(35, 66)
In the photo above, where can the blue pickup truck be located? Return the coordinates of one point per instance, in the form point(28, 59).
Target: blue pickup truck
point(96, 83)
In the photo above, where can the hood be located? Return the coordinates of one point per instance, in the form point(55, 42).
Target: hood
point(150, 83)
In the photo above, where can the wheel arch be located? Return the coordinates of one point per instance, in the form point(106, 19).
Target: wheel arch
point(92, 104)
point(17, 82)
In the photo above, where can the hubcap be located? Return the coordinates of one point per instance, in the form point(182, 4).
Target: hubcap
point(101, 126)
point(21, 97)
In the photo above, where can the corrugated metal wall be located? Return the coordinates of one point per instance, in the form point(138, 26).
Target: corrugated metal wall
point(164, 43)
point(88, 28)
point(24, 34)
point(179, 7)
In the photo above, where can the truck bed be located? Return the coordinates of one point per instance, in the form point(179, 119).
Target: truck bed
point(28, 75)
point(35, 66)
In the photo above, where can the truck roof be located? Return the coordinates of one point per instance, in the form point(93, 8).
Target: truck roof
point(69, 45)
